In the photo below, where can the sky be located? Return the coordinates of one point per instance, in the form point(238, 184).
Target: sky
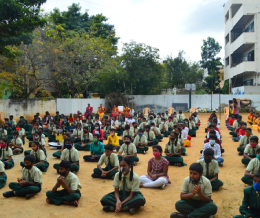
point(169, 25)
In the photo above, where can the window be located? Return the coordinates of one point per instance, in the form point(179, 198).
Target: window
point(227, 61)
point(249, 57)
point(250, 28)
point(248, 82)
point(227, 39)
point(227, 16)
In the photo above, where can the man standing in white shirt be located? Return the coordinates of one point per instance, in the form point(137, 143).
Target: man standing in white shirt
point(215, 147)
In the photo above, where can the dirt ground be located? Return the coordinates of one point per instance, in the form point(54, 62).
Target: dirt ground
point(159, 203)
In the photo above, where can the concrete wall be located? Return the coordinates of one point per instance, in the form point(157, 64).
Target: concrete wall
point(67, 106)
point(27, 108)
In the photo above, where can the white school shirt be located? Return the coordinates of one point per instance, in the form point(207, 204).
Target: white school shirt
point(217, 134)
point(114, 123)
point(216, 148)
point(184, 134)
point(97, 122)
point(128, 121)
point(187, 130)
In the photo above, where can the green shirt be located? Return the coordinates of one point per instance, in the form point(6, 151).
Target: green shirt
point(113, 160)
point(213, 168)
point(250, 150)
point(128, 149)
point(170, 146)
point(253, 166)
point(35, 175)
point(72, 181)
point(131, 186)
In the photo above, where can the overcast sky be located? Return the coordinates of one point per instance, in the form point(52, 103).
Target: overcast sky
point(169, 25)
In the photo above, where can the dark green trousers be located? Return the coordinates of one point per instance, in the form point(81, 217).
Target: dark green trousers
point(76, 140)
point(57, 154)
point(119, 132)
point(183, 151)
point(73, 167)
point(246, 161)
point(138, 199)
point(175, 160)
point(216, 184)
point(59, 197)
point(133, 159)
point(155, 142)
point(196, 209)
point(121, 142)
point(247, 180)
point(3, 180)
point(9, 164)
point(42, 167)
point(21, 191)
point(241, 150)
point(109, 176)
point(80, 148)
point(141, 150)
point(20, 151)
point(159, 137)
point(233, 134)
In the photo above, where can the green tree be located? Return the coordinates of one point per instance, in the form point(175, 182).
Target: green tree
point(179, 71)
point(143, 73)
point(18, 19)
point(74, 20)
point(210, 49)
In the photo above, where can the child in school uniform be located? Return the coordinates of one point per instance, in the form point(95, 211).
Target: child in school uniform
point(40, 157)
point(3, 176)
point(129, 150)
point(111, 161)
point(211, 169)
point(107, 129)
point(3, 132)
point(182, 142)
point(156, 132)
point(51, 131)
point(235, 126)
point(9, 130)
point(126, 196)
point(135, 128)
point(77, 133)
point(163, 127)
point(250, 205)
point(70, 154)
point(6, 154)
point(127, 131)
point(173, 150)
point(252, 168)
point(59, 145)
point(241, 132)
point(113, 140)
point(196, 194)
point(70, 194)
point(244, 140)
point(99, 131)
point(157, 171)
point(209, 122)
point(96, 150)
point(140, 142)
point(151, 139)
point(30, 182)
point(16, 143)
point(157, 120)
point(180, 116)
point(86, 140)
point(40, 140)
point(143, 124)
point(250, 150)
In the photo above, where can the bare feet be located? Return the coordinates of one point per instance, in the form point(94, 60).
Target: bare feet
point(141, 185)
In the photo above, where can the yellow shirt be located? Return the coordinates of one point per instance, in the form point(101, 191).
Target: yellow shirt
point(114, 139)
point(59, 137)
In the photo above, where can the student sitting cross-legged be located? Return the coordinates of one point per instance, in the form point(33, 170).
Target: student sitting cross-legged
point(96, 149)
point(244, 141)
point(6, 154)
point(252, 168)
point(30, 182)
point(86, 140)
point(40, 157)
point(113, 139)
point(156, 132)
point(140, 142)
point(16, 143)
point(210, 168)
point(250, 150)
point(241, 132)
point(129, 150)
point(41, 141)
point(70, 194)
point(70, 154)
point(195, 196)
point(250, 205)
point(111, 161)
point(59, 145)
point(173, 150)
point(157, 171)
point(183, 142)
point(215, 147)
point(3, 176)
point(126, 196)
point(164, 128)
point(235, 126)
point(151, 139)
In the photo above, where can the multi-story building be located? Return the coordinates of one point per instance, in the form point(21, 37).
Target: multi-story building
point(242, 66)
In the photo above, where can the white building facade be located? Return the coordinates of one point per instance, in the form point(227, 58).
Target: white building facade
point(242, 25)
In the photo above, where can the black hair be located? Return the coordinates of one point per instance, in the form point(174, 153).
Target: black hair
point(15, 133)
point(65, 164)
point(179, 131)
point(109, 147)
point(158, 147)
point(97, 135)
point(162, 118)
point(40, 146)
point(176, 139)
point(30, 158)
point(127, 136)
point(147, 126)
point(213, 137)
point(209, 152)
point(67, 134)
point(244, 123)
point(127, 126)
point(258, 150)
point(112, 129)
point(134, 123)
point(212, 126)
point(249, 129)
point(214, 121)
point(196, 167)
point(255, 138)
point(129, 162)
point(239, 116)
point(152, 124)
point(212, 132)
point(68, 140)
point(257, 175)
point(140, 130)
